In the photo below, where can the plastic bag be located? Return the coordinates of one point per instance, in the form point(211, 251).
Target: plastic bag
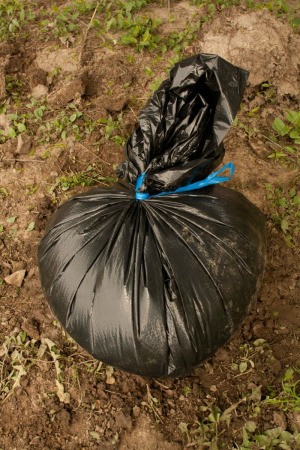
point(155, 286)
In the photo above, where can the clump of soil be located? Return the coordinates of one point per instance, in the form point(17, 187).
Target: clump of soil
point(259, 42)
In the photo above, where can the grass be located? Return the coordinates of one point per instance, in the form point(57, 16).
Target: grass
point(284, 140)
point(214, 422)
point(285, 204)
point(288, 398)
point(14, 16)
point(17, 355)
point(88, 177)
point(68, 22)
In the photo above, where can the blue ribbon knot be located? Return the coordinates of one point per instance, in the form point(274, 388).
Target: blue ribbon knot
point(213, 178)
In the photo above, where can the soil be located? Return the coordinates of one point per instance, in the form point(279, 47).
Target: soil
point(107, 410)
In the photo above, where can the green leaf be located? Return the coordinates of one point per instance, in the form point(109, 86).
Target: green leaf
point(282, 202)
point(73, 117)
point(280, 127)
point(284, 225)
point(293, 117)
point(273, 433)
point(11, 219)
point(11, 133)
point(127, 40)
point(39, 112)
point(243, 366)
point(21, 127)
point(31, 226)
point(111, 22)
point(289, 374)
point(295, 134)
point(296, 200)
point(250, 426)
point(291, 150)
point(22, 14)
point(1, 229)
point(3, 192)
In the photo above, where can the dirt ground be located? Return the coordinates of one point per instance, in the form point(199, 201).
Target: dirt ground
point(53, 395)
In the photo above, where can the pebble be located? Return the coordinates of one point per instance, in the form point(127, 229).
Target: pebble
point(122, 421)
point(297, 420)
point(279, 419)
point(24, 144)
point(39, 91)
point(67, 93)
point(169, 393)
point(136, 410)
point(16, 278)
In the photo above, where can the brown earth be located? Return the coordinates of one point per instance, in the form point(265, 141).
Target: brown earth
point(105, 409)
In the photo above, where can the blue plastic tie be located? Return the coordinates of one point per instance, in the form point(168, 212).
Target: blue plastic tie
point(213, 178)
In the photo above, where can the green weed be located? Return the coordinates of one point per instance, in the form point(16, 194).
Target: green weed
point(13, 87)
point(269, 439)
point(180, 40)
point(14, 15)
point(290, 129)
point(66, 22)
point(88, 177)
point(138, 31)
point(17, 355)
point(61, 126)
point(208, 432)
point(288, 399)
point(286, 210)
point(284, 139)
point(16, 124)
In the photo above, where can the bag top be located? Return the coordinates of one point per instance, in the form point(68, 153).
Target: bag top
point(178, 139)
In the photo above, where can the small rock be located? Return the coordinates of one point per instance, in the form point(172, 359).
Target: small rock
point(24, 144)
point(35, 76)
point(169, 393)
point(15, 64)
point(31, 328)
point(18, 265)
point(222, 355)
point(136, 410)
point(283, 330)
point(274, 365)
point(16, 278)
point(31, 272)
point(257, 328)
point(5, 122)
point(122, 421)
point(297, 420)
point(115, 104)
point(260, 149)
point(67, 93)
point(39, 91)
point(279, 419)
point(5, 49)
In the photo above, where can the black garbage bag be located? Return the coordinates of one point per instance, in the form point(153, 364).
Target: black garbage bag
point(147, 279)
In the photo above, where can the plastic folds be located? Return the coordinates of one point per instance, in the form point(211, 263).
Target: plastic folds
point(155, 286)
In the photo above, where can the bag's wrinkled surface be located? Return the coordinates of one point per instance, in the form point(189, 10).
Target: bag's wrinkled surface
point(155, 287)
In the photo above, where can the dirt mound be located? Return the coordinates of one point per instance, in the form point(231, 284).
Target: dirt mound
point(258, 41)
